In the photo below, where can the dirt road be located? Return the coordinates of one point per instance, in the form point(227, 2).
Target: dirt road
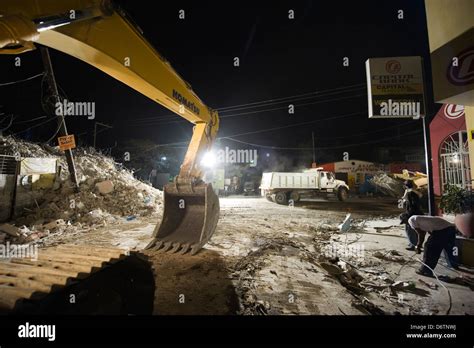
point(270, 259)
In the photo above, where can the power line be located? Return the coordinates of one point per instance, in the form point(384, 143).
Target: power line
point(157, 122)
point(269, 101)
point(304, 96)
point(323, 147)
point(297, 124)
point(288, 148)
point(262, 130)
point(285, 107)
point(19, 81)
point(33, 119)
point(35, 126)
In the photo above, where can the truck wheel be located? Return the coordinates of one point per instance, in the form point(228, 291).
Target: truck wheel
point(295, 196)
point(342, 194)
point(281, 198)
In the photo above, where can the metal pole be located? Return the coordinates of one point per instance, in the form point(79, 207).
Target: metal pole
point(429, 169)
point(95, 132)
point(314, 151)
point(61, 121)
point(13, 201)
point(427, 139)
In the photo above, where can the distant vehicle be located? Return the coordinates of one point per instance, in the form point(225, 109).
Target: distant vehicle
point(283, 187)
point(249, 188)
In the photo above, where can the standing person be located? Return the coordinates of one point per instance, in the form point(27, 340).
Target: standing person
point(411, 200)
point(442, 237)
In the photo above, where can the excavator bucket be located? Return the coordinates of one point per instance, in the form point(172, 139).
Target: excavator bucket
point(189, 219)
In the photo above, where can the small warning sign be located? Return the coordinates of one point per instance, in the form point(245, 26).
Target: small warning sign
point(67, 142)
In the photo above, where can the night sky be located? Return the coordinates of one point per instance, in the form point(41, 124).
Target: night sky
point(279, 58)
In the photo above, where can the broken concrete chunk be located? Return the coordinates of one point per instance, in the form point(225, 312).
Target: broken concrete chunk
point(327, 227)
point(10, 229)
point(105, 187)
point(429, 284)
point(33, 236)
point(54, 224)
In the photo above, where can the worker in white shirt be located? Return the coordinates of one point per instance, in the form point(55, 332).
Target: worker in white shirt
point(442, 237)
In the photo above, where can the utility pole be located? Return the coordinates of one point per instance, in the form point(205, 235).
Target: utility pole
point(429, 101)
point(61, 121)
point(314, 151)
point(95, 129)
point(429, 168)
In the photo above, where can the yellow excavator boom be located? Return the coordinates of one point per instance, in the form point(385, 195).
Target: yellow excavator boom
point(100, 34)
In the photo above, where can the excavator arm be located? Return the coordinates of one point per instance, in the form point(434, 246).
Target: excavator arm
point(100, 34)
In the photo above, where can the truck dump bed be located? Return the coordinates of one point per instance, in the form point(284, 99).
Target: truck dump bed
point(276, 180)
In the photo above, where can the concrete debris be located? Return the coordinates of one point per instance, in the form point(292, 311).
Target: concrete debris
point(327, 227)
point(408, 286)
point(367, 307)
point(346, 275)
point(462, 280)
point(391, 255)
point(429, 285)
point(387, 185)
point(107, 193)
point(54, 224)
point(107, 186)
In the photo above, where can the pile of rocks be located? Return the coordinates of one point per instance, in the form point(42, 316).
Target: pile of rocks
point(387, 185)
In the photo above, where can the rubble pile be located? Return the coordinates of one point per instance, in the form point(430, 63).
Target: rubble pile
point(387, 185)
point(13, 147)
point(108, 193)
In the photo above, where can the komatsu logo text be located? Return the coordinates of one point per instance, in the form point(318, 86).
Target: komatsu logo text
point(187, 104)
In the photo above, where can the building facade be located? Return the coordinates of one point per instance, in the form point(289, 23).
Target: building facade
point(450, 149)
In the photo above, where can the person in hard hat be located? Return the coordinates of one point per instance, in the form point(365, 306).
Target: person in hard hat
point(442, 236)
point(411, 200)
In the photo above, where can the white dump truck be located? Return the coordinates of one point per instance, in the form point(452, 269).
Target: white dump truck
point(283, 187)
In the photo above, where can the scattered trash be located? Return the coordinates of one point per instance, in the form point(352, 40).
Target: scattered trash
point(464, 281)
point(367, 307)
point(346, 225)
point(430, 285)
point(346, 275)
point(391, 255)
